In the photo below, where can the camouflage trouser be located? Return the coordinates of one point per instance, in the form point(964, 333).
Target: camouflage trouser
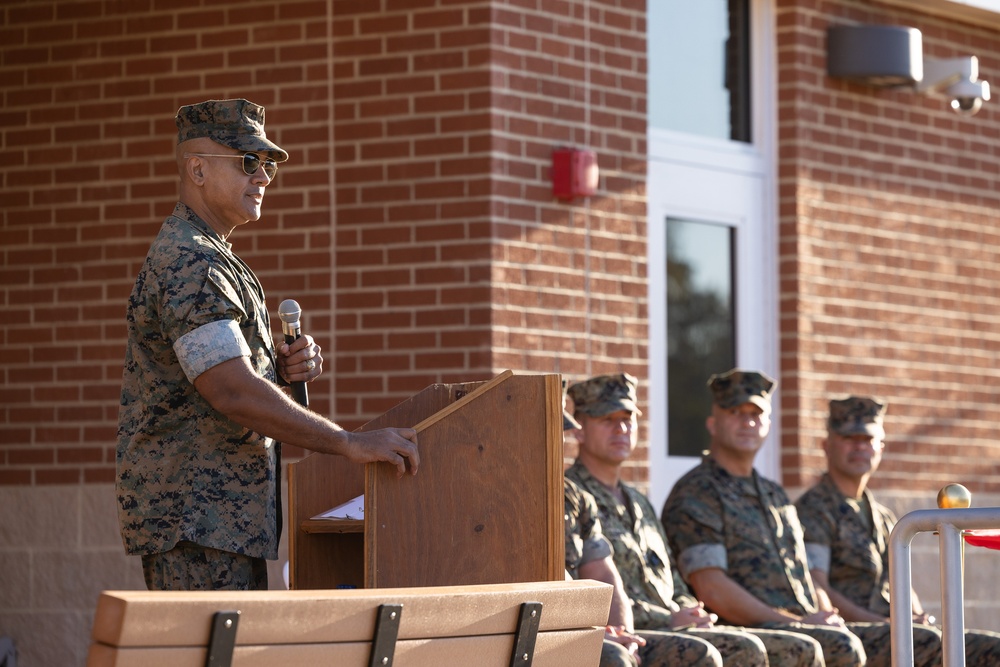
point(190, 567)
point(614, 654)
point(841, 648)
point(738, 647)
point(666, 649)
point(982, 648)
point(790, 649)
point(877, 639)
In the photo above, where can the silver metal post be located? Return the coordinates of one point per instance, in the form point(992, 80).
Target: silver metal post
point(952, 596)
point(900, 587)
point(949, 524)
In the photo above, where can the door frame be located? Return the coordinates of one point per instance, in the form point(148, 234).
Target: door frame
point(697, 178)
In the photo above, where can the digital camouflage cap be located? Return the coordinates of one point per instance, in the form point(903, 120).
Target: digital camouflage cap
point(604, 394)
point(736, 387)
point(856, 415)
point(237, 123)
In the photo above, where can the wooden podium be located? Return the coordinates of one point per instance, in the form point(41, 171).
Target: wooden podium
point(486, 506)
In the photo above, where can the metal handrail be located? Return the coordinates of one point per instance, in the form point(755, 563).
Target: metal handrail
point(949, 524)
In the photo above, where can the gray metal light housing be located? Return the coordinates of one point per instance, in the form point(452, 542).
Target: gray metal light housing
point(877, 55)
point(892, 56)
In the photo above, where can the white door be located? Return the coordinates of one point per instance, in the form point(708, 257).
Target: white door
point(711, 224)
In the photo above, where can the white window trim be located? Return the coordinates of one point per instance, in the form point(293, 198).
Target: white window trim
point(759, 339)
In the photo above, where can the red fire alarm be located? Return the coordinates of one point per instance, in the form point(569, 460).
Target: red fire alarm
point(574, 173)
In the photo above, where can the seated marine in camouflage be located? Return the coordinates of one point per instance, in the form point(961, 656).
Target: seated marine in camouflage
point(847, 529)
point(588, 556)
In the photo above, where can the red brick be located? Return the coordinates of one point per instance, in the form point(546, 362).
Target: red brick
point(30, 456)
point(50, 476)
point(79, 455)
point(15, 476)
point(104, 475)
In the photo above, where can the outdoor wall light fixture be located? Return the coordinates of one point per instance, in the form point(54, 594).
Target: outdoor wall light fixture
point(574, 173)
point(892, 56)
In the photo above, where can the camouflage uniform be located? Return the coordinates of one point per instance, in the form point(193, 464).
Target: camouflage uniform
point(189, 566)
point(616, 655)
point(185, 472)
point(849, 539)
point(837, 542)
point(747, 527)
point(585, 543)
point(856, 560)
point(584, 540)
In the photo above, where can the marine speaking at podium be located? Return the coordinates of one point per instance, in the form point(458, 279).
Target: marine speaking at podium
point(202, 411)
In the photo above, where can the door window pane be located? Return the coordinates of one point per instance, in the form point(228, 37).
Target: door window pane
point(699, 67)
point(700, 333)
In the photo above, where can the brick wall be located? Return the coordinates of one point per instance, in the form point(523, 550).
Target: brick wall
point(453, 260)
point(890, 242)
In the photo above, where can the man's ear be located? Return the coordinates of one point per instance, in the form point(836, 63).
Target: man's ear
point(194, 167)
point(710, 424)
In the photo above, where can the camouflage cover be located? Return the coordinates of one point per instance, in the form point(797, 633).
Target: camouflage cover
point(236, 123)
point(604, 394)
point(736, 387)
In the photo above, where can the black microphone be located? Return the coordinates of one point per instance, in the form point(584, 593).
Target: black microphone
point(289, 313)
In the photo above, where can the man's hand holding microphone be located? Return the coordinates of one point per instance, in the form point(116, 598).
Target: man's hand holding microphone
point(300, 361)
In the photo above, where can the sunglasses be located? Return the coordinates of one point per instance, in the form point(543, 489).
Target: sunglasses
point(251, 163)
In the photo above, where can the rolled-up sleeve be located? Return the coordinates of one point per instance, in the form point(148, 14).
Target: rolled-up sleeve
point(209, 345)
point(818, 556)
point(596, 548)
point(702, 557)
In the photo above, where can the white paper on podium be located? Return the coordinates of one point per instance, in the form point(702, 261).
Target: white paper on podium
point(352, 509)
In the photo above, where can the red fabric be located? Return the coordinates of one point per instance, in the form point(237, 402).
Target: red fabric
point(983, 538)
